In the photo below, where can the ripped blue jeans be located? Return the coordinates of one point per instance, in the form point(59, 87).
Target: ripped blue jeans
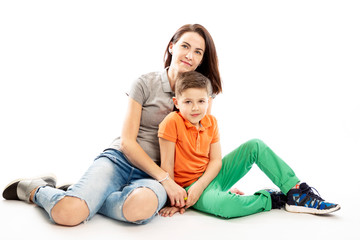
point(104, 187)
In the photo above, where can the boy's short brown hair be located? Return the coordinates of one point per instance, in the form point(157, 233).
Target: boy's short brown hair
point(191, 79)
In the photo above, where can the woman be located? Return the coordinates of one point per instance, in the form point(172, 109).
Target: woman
point(125, 182)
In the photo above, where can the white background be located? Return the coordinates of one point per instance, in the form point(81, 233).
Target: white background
point(291, 78)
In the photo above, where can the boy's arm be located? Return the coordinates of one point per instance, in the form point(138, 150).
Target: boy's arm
point(167, 154)
point(210, 173)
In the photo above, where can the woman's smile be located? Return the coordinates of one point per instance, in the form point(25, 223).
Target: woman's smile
point(186, 63)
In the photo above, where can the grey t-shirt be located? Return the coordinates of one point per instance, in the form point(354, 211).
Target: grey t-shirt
point(153, 92)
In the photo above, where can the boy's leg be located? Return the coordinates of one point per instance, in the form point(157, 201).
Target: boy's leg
point(229, 205)
point(218, 201)
point(237, 163)
point(305, 200)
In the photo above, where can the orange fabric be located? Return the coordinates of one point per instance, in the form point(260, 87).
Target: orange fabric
point(192, 146)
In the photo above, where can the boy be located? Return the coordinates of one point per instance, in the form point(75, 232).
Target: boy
point(191, 154)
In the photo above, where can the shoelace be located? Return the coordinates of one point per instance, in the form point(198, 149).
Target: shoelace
point(309, 191)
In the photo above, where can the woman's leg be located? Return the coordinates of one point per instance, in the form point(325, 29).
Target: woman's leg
point(134, 197)
point(83, 199)
point(137, 202)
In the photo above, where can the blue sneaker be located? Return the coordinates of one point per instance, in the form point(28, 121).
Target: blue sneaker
point(304, 200)
point(278, 199)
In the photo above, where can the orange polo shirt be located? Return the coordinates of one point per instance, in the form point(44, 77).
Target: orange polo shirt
point(192, 146)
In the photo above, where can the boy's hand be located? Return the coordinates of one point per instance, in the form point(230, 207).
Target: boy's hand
point(170, 211)
point(194, 194)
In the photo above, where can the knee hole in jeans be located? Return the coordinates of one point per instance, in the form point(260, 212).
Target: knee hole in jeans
point(70, 211)
point(141, 204)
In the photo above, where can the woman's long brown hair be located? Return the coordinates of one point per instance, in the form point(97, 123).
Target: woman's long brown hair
point(209, 66)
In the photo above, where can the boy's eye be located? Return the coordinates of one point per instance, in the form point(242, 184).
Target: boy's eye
point(187, 102)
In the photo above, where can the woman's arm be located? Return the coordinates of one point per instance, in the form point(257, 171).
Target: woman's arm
point(210, 173)
point(167, 154)
point(138, 157)
point(131, 148)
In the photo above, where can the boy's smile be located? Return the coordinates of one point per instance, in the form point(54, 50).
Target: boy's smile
point(193, 104)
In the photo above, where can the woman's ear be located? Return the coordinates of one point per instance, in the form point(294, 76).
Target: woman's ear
point(171, 45)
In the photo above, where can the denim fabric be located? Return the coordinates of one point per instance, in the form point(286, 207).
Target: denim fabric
point(104, 187)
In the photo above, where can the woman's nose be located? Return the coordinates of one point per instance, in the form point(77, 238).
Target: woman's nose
point(189, 55)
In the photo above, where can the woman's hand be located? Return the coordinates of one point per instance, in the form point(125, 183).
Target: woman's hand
point(170, 211)
point(176, 194)
point(194, 194)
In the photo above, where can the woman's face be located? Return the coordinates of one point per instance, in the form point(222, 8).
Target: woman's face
point(187, 53)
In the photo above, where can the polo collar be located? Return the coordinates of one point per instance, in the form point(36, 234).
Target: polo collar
point(204, 123)
point(165, 81)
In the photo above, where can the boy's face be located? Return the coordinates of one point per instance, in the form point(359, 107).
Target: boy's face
point(193, 104)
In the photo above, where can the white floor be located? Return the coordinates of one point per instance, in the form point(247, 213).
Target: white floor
point(29, 221)
point(19, 220)
point(290, 71)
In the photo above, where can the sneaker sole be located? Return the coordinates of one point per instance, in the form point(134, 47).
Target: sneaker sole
point(299, 209)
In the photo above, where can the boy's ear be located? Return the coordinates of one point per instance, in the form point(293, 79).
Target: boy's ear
point(175, 102)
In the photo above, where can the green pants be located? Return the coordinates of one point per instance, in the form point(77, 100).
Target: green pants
point(216, 198)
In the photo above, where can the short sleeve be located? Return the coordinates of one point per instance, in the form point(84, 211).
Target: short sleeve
point(167, 128)
point(139, 91)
